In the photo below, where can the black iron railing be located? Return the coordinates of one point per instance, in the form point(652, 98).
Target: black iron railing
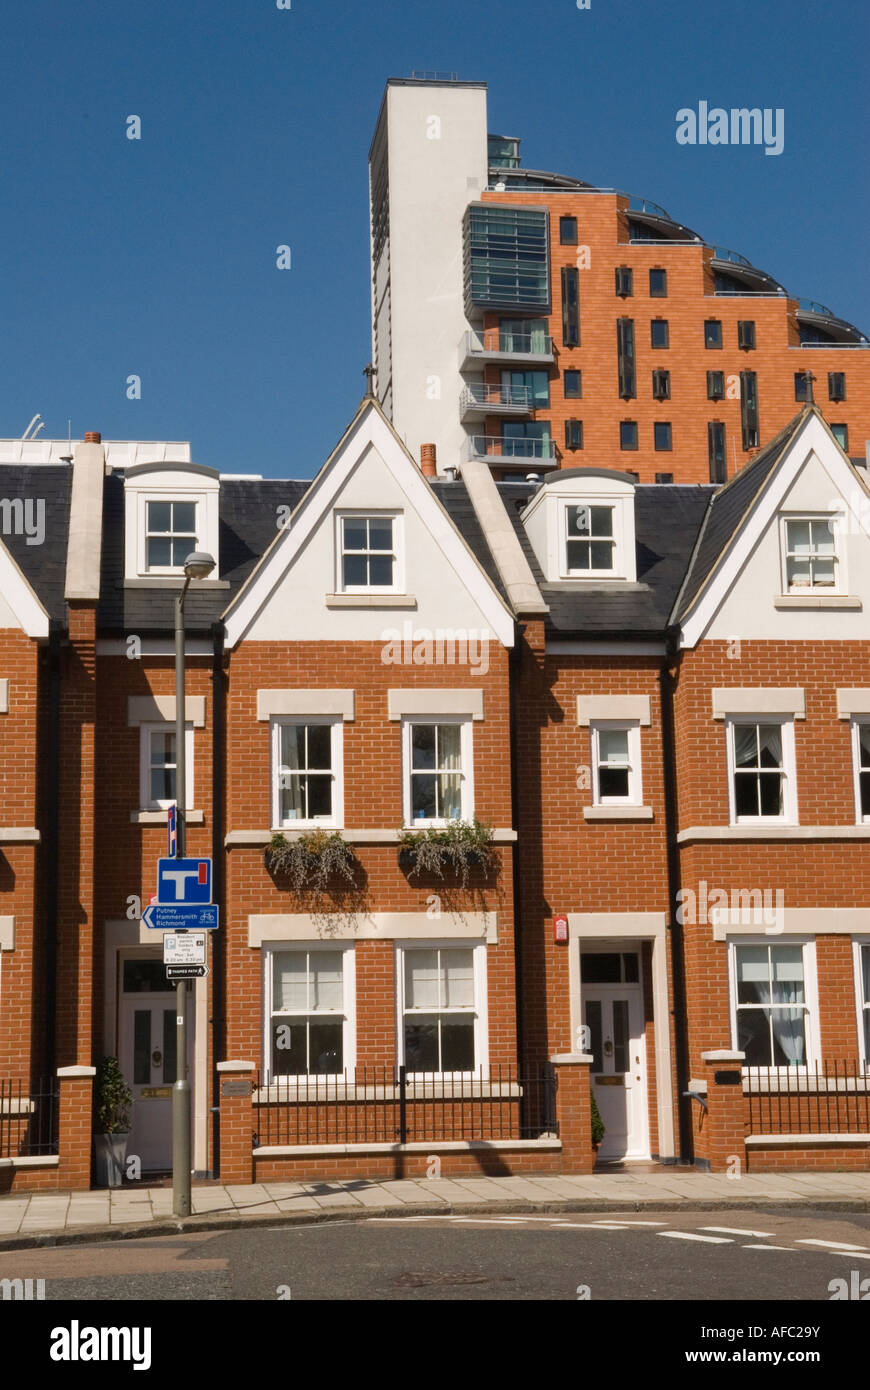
point(387, 1105)
point(825, 1098)
point(28, 1118)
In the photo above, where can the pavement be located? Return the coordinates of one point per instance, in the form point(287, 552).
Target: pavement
point(75, 1217)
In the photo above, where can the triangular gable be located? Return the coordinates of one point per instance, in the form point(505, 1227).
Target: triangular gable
point(780, 467)
point(369, 430)
point(17, 595)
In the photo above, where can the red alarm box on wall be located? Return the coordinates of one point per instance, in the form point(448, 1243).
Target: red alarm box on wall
point(560, 929)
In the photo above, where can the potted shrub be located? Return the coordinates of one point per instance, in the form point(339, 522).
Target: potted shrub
point(459, 846)
point(114, 1101)
point(597, 1122)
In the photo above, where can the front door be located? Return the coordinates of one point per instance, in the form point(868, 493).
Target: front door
point(147, 1055)
point(613, 1013)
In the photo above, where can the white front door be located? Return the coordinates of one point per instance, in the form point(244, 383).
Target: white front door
point(614, 1016)
point(147, 1055)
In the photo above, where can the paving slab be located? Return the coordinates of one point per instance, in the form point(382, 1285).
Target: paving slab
point(245, 1194)
point(411, 1192)
point(336, 1199)
point(277, 1190)
point(301, 1203)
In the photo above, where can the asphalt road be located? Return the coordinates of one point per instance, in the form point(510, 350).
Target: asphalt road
point(750, 1256)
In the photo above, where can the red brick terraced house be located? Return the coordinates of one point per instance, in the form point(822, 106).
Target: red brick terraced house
point(656, 697)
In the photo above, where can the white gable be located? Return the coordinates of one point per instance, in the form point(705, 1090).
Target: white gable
point(19, 605)
point(749, 597)
point(291, 595)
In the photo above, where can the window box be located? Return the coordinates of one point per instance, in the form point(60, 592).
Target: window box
point(312, 862)
point(457, 848)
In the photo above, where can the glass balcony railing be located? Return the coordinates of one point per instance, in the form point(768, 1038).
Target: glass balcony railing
point(495, 342)
point(494, 448)
point(483, 397)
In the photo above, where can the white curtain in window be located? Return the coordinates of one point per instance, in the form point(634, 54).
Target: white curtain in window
point(787, 971)
point(325, 976)
point(422, 980)
point(291, 982)
point(292, 759)
point(745, 746)
point(458, 977)
point(770, 741)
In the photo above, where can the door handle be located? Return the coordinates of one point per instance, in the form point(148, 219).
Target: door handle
point(608, 1048)
point(156, 1057)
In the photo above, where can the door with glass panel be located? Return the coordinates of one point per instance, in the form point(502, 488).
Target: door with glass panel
point(147, 1038)
point(613, 1013)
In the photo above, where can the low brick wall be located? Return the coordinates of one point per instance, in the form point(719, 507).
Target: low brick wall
point(497, 1161)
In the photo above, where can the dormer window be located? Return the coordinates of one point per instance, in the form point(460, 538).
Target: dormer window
point(170, 534)
point(589, 540)
point(170, 509)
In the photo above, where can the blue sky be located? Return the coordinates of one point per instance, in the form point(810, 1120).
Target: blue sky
point(157, 257)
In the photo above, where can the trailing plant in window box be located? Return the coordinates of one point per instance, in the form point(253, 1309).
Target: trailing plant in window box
point(460, 846)
point(312, 861)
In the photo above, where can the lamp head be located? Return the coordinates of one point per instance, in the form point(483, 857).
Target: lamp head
point(198, 565)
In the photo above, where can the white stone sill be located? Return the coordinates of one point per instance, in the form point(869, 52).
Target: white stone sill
point(31, 1161)
point(784, 601)
point(439, 1146)
point(370, 601)
point(613, 813)
point(773, 832)
point(159, 818)
point(766, 1141)
point(256, 838)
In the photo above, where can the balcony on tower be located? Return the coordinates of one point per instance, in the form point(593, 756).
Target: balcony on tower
point(521, 342)
point(482, 398)
point(507, 258)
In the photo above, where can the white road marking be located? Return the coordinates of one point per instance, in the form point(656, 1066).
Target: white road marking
point(771, 1247)
point(831, 1244)
point(740, 1231)
point(689, 1235)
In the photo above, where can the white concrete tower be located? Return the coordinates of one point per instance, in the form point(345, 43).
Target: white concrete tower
point(427, 162)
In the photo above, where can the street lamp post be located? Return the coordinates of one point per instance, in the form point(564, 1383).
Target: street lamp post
point(198, 565)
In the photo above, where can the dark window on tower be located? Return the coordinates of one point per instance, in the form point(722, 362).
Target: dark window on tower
point(658, 333)
point(841, 434)
point(749, 409)
point(628, 434)
point(836, 386)
point(568, 231)
point(745, 333)
point(662, 434)
point(715, 386)
point(716, 451)
point(573, 434)
point(658, 284)
point(624, 280)
point(801, 386)
point(661, 385)
point(573, 384)
point(625, 356)
point(712, 333)
point(570, 306)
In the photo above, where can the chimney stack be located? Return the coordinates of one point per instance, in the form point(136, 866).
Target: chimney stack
point(93, 437)
point(428, 466)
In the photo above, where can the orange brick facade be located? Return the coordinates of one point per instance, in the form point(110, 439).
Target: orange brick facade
point(602, 220)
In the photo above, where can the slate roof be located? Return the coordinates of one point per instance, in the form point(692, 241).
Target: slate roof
point(667, 522)
point(248, 524)
point(728, 508)
point(44, 566)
